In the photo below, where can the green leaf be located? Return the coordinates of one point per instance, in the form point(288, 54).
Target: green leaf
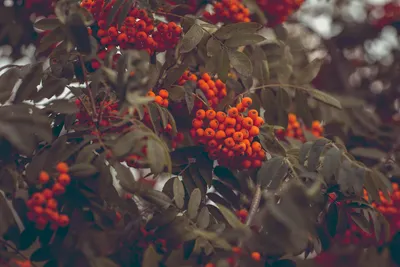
point(308, 73)
point(272, 173)
point(151, 258)
point(7, 217)
point(304, 151)
point(241, 63)
point(223, 65)
point(214, 47)
point(212, 236)
point(203, 219)
point(227, 31)
point(83, 170)
point(176, 93)
point(231, 218)
point(332, 219)
point(29, 83)
point(331, 163)
point(370, 153)
point(361, 222)
point(113, 12)
point(227, 193)
point(179, 193)
point(324, 98)
point(55, 36)
point(47, 24)
point(7, 83)
point(63, 106)
point(243, 40)
point(194, 203)
point(315, 152)
point(191, 39)
point(157, 156)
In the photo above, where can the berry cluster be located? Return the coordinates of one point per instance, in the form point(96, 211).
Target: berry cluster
point(228, 138)
point(107, 110)
point(43, 206)
point(354, 235)
point(277, 11)
point(213, 89)
point(295, 130)
point(228, 11)
point(161, 98)
point(137, 31)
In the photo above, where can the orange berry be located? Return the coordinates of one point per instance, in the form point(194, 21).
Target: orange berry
point(163, 93)
point(206, 77)
point(256, 146)
point(210, 114)
point(200, 114)
point(47, 193)
point(211, 83)
point(240, 107)
point(256, 256)
point(210, 265)
point(221, 116)
point(243, 213)
point(254, 131)
point(165, 103)
point(233, 112)
point(245, 133)
point(247, 123)
point(58, 189)
point(159, 100)
point(246, 164)
point(199, 132)
point(238, 136)
point(258, 121)
point(249, 151)
point(238, 127)
point(44, 177)
point(210, 94)
point(62, 167)
point(196, 123)
point(210, 133)
point(246, 102)
point(38, 199)
point(52, 204)
point(221, 127)
point(219, 135)
point(256, 163)
point(63, 220)
point(38, 210)
point(152, 94)
point(253, 114)
point(64, 179)
point(214, 124)
point(230, 122)
point(229, 142)
point(261, 154)
point(230, 131)
point(292, 118)
point(212, 143)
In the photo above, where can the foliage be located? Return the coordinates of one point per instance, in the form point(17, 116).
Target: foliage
point(205, 103)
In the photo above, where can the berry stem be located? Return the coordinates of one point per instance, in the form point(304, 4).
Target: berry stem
point(94, 116)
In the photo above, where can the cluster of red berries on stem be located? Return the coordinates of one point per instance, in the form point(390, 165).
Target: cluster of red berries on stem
point(43, 207)
point(277, 11)
point(354, 235)
point(138, 30)
point(295, 130)
point(228, 137)
point(228, 11)
point(214, 89)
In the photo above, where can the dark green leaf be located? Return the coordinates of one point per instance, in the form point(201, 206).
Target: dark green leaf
point(229, 30)
point(83, 170)
point(62, 106)
point(241, 63)
point(315, 152)
point(231, 218)
point(361, 222)
point(47, 24)
point(214, 47)
point(176, 93)
point(55, 36)
point(151, 258)
point(331, 163)
point(243, 40)
point(191, 39)
point(272, 173)
point(7, 83)
point(223, 65)
point(227, 193)
point(41, 254)
point(332, 219)
point(157, 156)
point(179, 193)
point(113, 12)
point(29, 83)
point(194, 203)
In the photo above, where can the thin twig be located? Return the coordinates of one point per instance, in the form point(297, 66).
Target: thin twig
point(255, 203)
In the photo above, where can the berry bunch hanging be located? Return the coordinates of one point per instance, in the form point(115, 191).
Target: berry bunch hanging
point(43, 206)
point(295, 130)
point(138, 30)
point(277, 11)
point(228, 137)
point(228, 11)
point(214, 89)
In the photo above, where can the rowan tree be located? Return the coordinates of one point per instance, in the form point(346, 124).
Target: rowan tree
point(194, 133)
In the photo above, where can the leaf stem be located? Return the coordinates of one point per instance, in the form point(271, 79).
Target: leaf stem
point(255, 203)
